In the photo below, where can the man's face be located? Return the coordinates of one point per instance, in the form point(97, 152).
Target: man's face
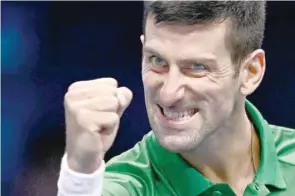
point(189, 83)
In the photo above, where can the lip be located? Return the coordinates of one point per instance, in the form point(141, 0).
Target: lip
point(179, 125)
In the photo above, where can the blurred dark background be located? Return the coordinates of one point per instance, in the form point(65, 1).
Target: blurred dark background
point(45, 46)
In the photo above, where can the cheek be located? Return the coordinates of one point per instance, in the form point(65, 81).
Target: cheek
point(219, 90)
point(222, 102)
point(216, 98)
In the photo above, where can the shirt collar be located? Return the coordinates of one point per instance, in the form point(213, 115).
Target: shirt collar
point(269, 172)
point(186, 180)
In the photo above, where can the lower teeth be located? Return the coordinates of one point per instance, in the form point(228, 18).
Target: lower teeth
point(180, 119)
point(185, 117)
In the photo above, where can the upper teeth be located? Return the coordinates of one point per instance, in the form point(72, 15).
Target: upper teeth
point(179, 115)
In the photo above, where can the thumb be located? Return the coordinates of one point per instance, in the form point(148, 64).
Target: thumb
point(124, 96)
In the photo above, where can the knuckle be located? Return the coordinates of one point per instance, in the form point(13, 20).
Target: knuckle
point(114, 117)
point(74, 85)
point(130, 93)
point(113, 101)
point(113, 90)
point(67, 98)
point(69, 103)
point(113, 81)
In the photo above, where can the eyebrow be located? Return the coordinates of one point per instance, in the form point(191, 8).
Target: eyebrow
point(151, 50)
point(204, 59)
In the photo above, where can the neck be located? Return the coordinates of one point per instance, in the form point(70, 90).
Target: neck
point(230, 154)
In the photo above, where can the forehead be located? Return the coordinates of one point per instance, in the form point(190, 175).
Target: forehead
point(178, 39)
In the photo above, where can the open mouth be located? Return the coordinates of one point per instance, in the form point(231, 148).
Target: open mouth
point(179, 115)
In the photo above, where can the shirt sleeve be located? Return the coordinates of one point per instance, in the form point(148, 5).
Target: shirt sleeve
point(71, 183)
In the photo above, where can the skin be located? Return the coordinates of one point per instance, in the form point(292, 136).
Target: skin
point(189, 66)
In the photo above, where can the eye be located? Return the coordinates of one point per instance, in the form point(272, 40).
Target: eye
point(196, 70)
point(157, 61)
point(197, 67)
point(157, 64)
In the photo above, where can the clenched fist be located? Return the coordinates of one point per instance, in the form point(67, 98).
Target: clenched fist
point(92, 113)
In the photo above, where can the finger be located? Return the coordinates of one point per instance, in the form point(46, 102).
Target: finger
point(97, 121)
point(101, 103)
point(90, 92)
point(124, 96)
point(92, 83)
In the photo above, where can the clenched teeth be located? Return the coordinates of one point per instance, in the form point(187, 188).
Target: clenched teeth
point(179, 116)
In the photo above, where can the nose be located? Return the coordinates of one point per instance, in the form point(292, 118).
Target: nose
point(172, 89)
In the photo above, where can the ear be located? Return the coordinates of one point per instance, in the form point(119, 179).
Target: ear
point(142, 39)
point(253, 72)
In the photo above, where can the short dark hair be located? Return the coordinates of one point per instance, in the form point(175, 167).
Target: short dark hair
point(247, 20)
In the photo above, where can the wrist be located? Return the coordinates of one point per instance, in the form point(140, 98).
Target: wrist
point(84, 166)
